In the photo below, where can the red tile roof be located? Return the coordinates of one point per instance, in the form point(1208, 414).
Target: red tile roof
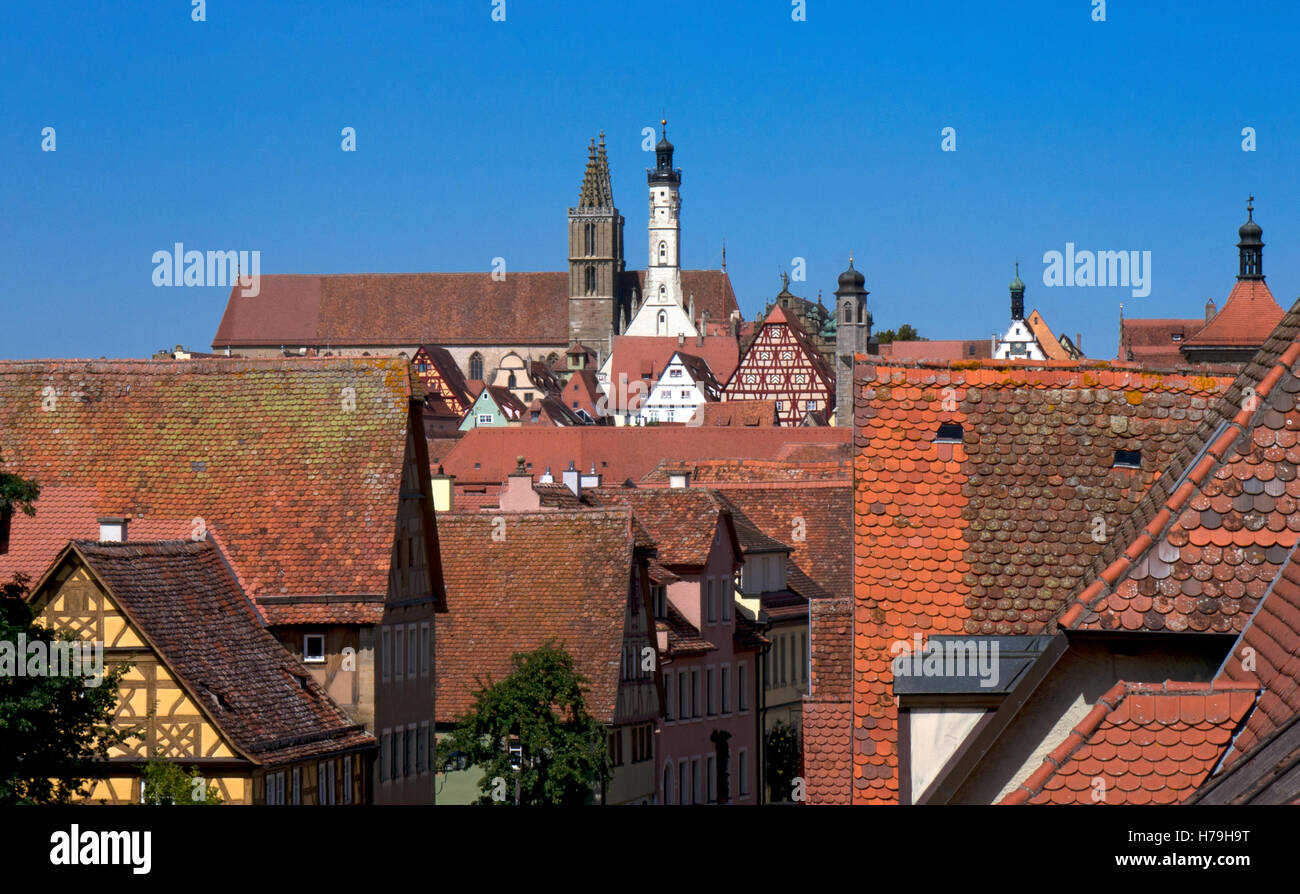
point(737, 413)
point(618, 453)
point(1051, 346)
point(1141, 744)
point(1248, 318)
point(1152, 342)
point(938, 351)
point(369, 309)
point(562, 576)
point(70, 513)
point(256, 693)
point(683, 522)
point(684, 638)
point(1267, 655)
point(1202, 548)
point(749, 471)
point(301, 493)
point(988, 535)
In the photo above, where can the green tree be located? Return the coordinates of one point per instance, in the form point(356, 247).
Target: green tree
point(533, 729)
point(55, 731)
point(165, 782)
point(784, 754)
point(906, 332)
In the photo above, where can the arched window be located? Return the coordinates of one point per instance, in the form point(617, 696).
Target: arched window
point(848, 312)
point(590, 285)
point(663, 252)
point(590, 239)
point(662, 328)
point(476, 366)
point(513, 383)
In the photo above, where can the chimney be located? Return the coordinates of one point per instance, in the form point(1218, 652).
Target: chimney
point(681, 339)
point(444, 491)
point(1078, 342)
point(573, 479)
point(112, 530)
point(699, 337)
point(519, 494)
point(691, 311)
point(548, 478)
point(592, 479)
point(679, 479)
point(1210, 309)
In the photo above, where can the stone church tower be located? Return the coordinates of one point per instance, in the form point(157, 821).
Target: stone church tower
point(595, 257)
point(852, 336)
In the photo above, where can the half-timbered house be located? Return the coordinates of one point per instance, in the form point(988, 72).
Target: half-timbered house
point(784, 365)
point(207, 686)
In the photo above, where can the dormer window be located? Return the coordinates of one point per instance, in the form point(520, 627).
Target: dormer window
point(112, 530)
point(1128, 459)
point(313, 648)
point(948, 433)
point(1178, 336)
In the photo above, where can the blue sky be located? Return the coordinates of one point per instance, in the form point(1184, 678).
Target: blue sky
point(805, 139)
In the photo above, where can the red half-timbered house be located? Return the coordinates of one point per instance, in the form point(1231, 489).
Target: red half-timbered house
point(783, 364)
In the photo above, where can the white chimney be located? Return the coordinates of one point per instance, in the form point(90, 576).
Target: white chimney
point(573, 479)
point(548, 478)
point(679, 479)
point(592, 479)
point(112, 530)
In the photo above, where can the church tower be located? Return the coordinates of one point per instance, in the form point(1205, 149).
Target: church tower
point(663, 275)
point(852, 336)
point(595, 256)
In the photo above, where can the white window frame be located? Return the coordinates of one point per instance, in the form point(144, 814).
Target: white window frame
point(695, 693)
point(484, 419)
point(308, 637)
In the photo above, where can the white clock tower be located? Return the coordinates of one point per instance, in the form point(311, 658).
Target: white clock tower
point(663, 275)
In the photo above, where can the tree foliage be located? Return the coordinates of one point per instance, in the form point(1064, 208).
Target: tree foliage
point(55, 731)
point(906, 332)
point(166, 782)
point(784, 754)
point(560, 754)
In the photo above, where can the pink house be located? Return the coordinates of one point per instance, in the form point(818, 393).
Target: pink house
point(706, 748)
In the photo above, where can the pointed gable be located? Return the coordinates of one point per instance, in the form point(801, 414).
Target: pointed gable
point(1247, 319)
point(442, 378)
point(783, 364)
point(186, 607)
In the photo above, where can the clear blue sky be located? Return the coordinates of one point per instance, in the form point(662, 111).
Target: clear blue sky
point(812, 139)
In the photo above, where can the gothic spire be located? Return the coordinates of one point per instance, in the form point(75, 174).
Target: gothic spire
point(596, 189)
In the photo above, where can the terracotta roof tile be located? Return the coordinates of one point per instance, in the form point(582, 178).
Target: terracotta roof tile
point(1141, 744)
point(294, 465)
point(1248, 317)
point(555, 575)
point(987, 535)
point(425, 308)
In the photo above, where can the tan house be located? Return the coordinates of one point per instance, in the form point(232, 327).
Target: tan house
point(208, 686)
